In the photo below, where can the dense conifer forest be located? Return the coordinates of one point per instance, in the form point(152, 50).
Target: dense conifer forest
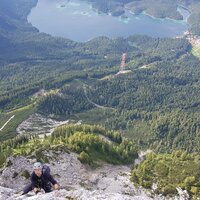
point(92, 143)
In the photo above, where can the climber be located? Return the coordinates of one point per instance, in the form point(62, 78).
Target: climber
point(41, 179)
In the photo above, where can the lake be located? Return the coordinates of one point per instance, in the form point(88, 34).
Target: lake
point(77, 20)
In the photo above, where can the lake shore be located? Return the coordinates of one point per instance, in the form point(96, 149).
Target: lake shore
point(161, 19)
point(70, 20)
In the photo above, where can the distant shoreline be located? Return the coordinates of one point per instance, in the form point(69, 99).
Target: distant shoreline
point(158, 18)
point(123, 32)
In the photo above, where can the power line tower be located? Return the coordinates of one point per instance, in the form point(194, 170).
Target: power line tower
point(123, 62)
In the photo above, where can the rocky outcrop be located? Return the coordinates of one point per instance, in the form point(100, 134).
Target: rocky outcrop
point(77, 181)
point(39, 124)
point(66, 168)
point(5, 193)
point(82, 194)
point(79, 194)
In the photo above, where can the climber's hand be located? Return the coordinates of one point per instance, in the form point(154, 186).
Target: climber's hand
point(36, 190)
point(56, 187)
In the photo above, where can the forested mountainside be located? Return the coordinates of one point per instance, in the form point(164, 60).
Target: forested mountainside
point(157, 102)
point(93, 143)
point(24, 50)
point(154, 103)
point(168, 172)
point(163, 81)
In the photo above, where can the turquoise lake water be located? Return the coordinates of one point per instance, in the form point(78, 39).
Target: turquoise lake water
point(77, 20)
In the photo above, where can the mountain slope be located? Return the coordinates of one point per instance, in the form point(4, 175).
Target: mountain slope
point(77, 181)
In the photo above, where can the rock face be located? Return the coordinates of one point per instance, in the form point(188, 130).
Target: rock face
point(65, 168)
point(9, 194)
point(39, 124)
point(5, 193)
point(13, 175)
point(77, 181)
point(82, 194)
